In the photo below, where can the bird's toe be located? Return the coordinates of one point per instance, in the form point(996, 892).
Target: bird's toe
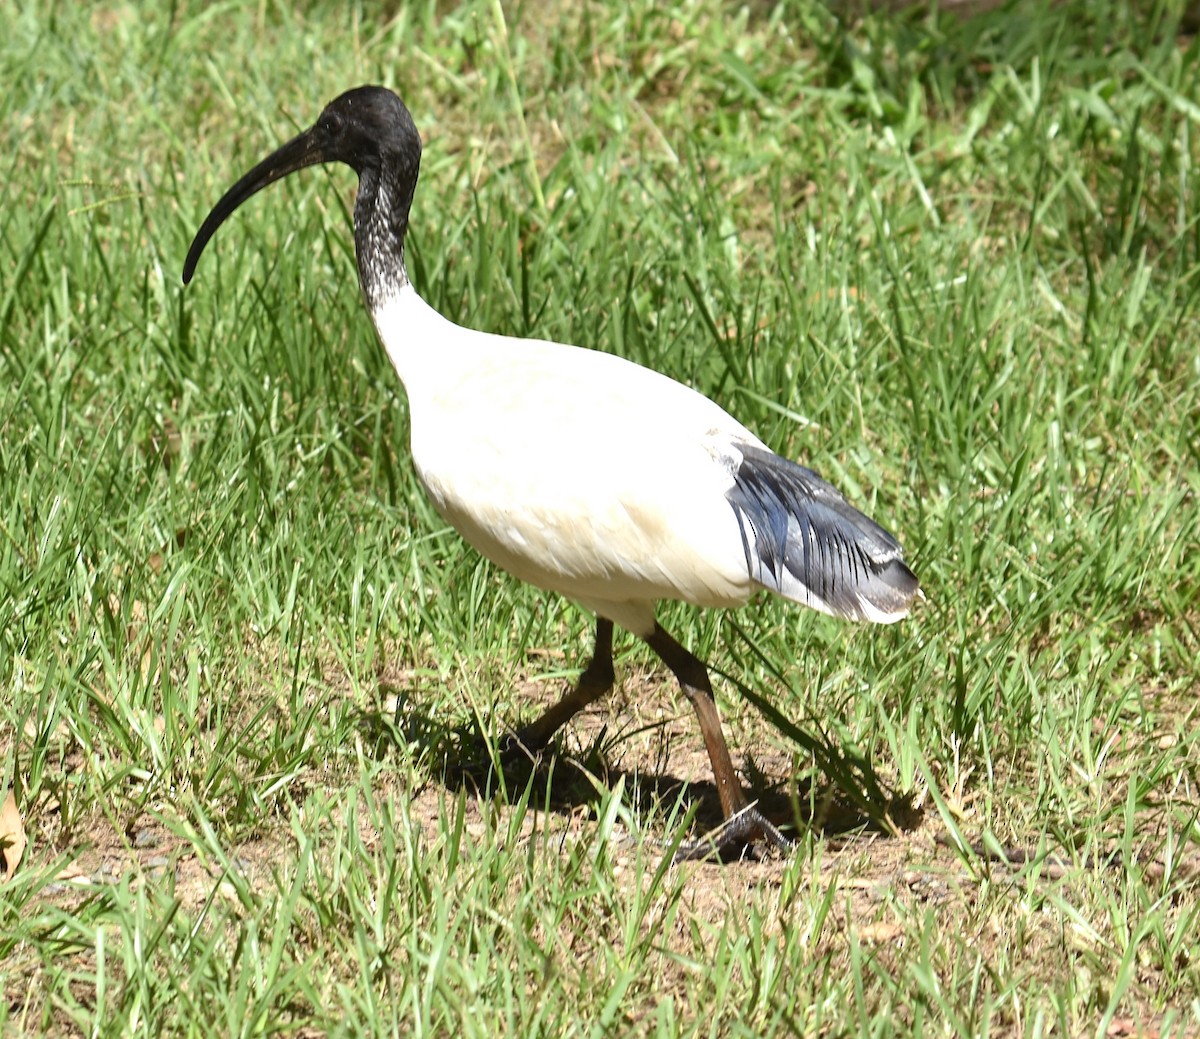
point(740, 837)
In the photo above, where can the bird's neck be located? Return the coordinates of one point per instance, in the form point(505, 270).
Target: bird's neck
point(380, 223)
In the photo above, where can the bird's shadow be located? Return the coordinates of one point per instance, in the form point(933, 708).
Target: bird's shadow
point(466, 758)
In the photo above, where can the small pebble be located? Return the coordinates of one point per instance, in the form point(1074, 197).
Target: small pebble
point(156, 865)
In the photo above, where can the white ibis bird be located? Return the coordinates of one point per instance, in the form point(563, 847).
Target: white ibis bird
point(581, 472)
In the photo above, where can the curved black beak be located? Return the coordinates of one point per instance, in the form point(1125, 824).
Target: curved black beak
point(301, 151)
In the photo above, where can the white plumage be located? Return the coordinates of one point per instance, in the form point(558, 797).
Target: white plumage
point(584, 473)
point(579, 472)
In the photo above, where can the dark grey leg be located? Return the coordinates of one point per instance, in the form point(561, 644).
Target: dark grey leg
point(743, 822)
point(595, 681)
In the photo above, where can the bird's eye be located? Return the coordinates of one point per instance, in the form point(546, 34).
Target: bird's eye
point(333, 124)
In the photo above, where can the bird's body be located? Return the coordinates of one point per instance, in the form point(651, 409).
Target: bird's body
point(581, 472)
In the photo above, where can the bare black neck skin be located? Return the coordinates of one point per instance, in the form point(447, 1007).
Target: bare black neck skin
point(385, 196)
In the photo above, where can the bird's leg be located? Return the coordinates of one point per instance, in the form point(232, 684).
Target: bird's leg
point(743, 822)
point(596, 680)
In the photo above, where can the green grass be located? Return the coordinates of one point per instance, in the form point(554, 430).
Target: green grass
point(952, 264)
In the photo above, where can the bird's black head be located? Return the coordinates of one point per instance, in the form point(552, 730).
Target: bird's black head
point(367, 128)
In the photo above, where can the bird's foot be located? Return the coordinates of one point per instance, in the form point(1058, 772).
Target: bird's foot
point(737, 838)
point(520, 746)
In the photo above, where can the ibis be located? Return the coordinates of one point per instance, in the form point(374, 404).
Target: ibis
point(583, 473)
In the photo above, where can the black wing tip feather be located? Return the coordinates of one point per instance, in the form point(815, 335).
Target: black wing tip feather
point(802, 523)
point(898, 587)
point(794, 483)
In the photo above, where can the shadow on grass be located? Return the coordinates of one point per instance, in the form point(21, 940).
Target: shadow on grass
point(843, 794)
